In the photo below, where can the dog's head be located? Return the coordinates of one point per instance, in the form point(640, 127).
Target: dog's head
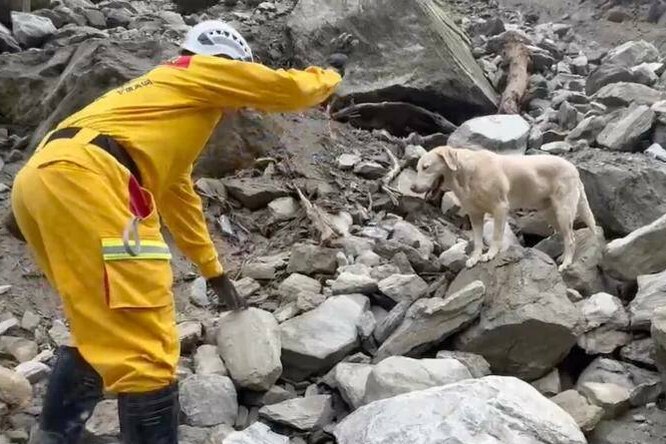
point(433, 167)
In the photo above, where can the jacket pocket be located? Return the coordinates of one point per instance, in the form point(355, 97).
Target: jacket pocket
point(140, 279)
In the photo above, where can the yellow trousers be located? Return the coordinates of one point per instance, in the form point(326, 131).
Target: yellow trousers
point(72, 202)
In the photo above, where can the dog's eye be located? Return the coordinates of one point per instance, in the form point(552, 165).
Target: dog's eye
point(425, 167)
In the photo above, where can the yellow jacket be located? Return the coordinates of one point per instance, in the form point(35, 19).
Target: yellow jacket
point(164, 119)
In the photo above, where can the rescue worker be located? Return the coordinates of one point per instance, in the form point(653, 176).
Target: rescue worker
point(89, 201)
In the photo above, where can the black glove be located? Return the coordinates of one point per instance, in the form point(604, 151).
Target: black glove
point(338, 62)
point(226, 292)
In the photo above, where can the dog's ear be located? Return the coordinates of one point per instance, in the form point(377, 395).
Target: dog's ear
point(450, 158)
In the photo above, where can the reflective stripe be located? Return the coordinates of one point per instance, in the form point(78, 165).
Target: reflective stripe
point(114, 250)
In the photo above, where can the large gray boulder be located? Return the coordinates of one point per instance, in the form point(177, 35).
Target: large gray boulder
point(408, 51)
point(208, 400)
point(658, 330)
point(505, 134)
point(397, 375)
point(632, 53)
point(624, 189)
point(645, 425)
point(651, 295)
point(492, 410)
point(635, 254)
point(527, 324)
point(625, 94)
point(625, 133)
point(301, 413)
point(315, 341)
point(430, 321)
point(350, 379)
point(31, 30)
point(249, 343)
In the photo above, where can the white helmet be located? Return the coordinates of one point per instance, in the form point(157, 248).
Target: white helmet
point(214, 37)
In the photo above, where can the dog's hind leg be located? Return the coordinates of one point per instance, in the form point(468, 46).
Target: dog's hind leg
point(565, 215)
point(476, 220)
point(500, 217)
point(584, 211)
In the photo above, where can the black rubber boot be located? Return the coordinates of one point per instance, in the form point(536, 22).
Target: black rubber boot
point(149, 418)
point(74, 390)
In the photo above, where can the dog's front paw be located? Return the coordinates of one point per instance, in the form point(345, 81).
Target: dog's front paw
point(489, 256)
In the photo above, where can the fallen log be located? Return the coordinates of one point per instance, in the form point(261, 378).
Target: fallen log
point(517, 57)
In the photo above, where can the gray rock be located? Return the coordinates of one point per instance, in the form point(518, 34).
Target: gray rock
point(284, 208)
point(476, 364)
point(615, 185)
point(526, 305)
point(33, 371)
point(301, 413)
point(397, 375)
point(249, 342)
point(455, 85)
point(59, 333)
point(603, 309)
point(635, 255)
point(650, 296)
point(348, 283)
point(475, 410)
point(313, 342)
point(309, 301)
point(347, 162)
point(606, 75)
point(190, 334)
point(246, 287)
point(266, 267)
point(391, 321)
point(640, 352)
point(73, 34)
point(658, 330)
point(557, 147)
point(403, 287)
point(644, 386)
point(31, 30)
point(7, 41)
point(408, 234)
point(95, 18)
point(455, 257)
point(277, 394)
point(207, 361)
point(104, 421)
point(286, 312)
point(297, 283)
point(625, 94)
point(370, 170)
point(603, 340)
point(198, 294)
point(350, 379)
point(631, 54)
point(311, 259)
point(499, 133)
point(567, 116)
point(255, 193)
point(369, 258)
point(15, 389)
point(208, 400)
point(430, 321)
point(192, 435)
point(549, 385)
point(21, 349)
point(584, 274)
point(586, 415)
point(637, 426)
point(412, 154)
point(257, 433)
point(612, 398)
point(588, 129)
point(625, 133)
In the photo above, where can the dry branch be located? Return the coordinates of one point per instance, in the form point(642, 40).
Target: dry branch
point(517, 57)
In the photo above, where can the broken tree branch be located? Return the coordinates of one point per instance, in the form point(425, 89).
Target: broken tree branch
point(319, 218)
point(517, 57)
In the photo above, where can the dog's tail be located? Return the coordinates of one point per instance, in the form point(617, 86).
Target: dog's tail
point(584, 211)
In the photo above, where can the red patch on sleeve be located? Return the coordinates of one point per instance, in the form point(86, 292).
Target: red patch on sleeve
point(140, 203)
point(182, 62)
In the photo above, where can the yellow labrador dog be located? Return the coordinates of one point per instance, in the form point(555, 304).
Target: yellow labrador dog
point(489, 183)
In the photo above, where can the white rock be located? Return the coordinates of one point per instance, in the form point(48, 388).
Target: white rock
point(208, 400)
point(29, 321)
point(257, 433)
point(208, 362)
point(15, 389)
point(476, 364)
point(301, 413)
point(632, 53)
point(491, 410)
point(612, 398)
point(549, 385)
point(33, 371)
point(265, 267)
point(297, 283)
point(369, 258)
point(246, 287)
point(249, 342)
point(656, 151)
point(412, 154)
point(189, 334)
point(287, 311)
point(309, 301)
point(284, 208)
point(313, 342)
point(560, 147)
point(658, 331)
point(398, 374)
point(603, 309)
point(403, 287)
point(350, 380)
point(21, 349)
point(104, 420)
point(59, 333)
point(430, 321)
point(31, 30)
point(625, 133)
point(499, 133)
point(347, 162)
point(634, 255)
point(586, 415)
point(348, 283)
point(650, 296)
point(198, 294)
point(455, 257)
point(408, 234)
point(509, 238)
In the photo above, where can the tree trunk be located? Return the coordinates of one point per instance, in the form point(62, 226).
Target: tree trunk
point(517, 57)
